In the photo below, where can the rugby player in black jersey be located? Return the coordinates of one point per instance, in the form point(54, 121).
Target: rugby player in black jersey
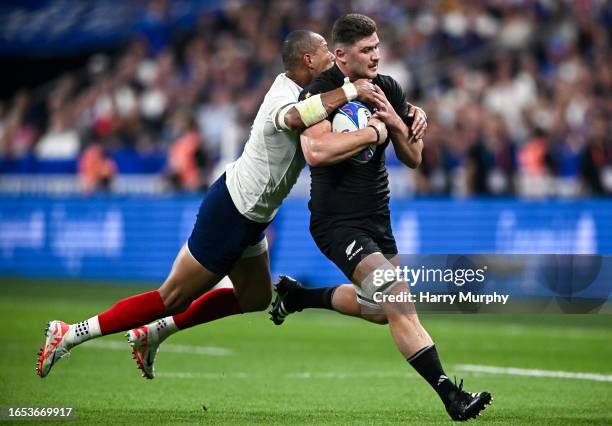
point(350, 217)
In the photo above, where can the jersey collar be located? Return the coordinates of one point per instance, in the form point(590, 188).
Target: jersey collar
point(300, 88)
point(336, 74)
point(339, 76)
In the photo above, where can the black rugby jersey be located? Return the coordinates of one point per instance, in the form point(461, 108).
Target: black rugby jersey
point(347, 189)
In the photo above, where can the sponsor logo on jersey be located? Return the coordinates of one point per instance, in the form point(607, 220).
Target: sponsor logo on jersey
point(350, 247)
point(350, 254)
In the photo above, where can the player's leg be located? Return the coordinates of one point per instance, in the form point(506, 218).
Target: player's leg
point(408, 333)
point(250, 277)
point(217, 241)
point(411, 339)
point(252, 282)
point(356, 246)
point(345, 302)
point(186, 280)
point(292, 296)
point(341, 242)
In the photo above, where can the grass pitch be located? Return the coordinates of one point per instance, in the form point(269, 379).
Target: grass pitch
point(318, 368)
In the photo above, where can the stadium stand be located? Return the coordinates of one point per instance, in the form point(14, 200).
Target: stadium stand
point(517, 94)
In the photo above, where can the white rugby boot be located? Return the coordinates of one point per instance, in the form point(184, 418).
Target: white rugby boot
point(56, 347)
point(145, 342)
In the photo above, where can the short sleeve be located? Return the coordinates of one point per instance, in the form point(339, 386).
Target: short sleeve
point(275, 105)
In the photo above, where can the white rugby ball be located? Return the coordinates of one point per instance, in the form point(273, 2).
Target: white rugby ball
point(351, 117)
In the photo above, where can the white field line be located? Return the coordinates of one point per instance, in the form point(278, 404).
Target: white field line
point(299, 376)
point(335, 375)
point(511, 371)
point(204, 376)
point(167, 347)
point(331, 375)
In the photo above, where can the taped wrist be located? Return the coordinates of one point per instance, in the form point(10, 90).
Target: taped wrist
point(311, 110)
point(350, 91)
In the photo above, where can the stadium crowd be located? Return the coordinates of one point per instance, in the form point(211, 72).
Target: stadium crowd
point(518, 94)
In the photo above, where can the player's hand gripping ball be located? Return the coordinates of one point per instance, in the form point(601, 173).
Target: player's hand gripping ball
point(351, 117)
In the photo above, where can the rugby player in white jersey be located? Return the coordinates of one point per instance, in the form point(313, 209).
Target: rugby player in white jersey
point(228, 236)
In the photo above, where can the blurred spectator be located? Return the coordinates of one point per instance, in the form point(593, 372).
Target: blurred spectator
point(155, 26)
point(188, 162)
point(596, 165)
point(17, 135)
point(518, 93)
point(430, 177)
point(393, 64)
point(61, 141)
point(96, 169)
point(491, 162)
point(508, 96)
point(535, 167)
point(215, 118)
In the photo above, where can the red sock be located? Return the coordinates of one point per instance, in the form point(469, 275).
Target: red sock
point(212, 305)
point(132, 312)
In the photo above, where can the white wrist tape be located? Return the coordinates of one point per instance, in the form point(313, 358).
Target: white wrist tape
point(350, 91)
point(281, 117)
point(311, 110)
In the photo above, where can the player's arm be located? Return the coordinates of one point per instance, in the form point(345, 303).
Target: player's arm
point(322, 147)
point(407, 141)
point(298, 116)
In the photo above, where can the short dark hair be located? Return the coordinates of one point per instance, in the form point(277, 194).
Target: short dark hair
point(295, 46)
point(352, 27)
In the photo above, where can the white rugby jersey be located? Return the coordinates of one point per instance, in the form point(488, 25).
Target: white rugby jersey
point(272, 159)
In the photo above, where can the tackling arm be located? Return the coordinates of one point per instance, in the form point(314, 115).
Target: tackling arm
point(322, 147)
point(299, 116)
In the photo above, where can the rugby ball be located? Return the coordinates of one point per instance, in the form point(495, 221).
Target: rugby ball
point(349, 118)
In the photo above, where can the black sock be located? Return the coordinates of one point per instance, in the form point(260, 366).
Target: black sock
point(304, 298)
point(427, 363)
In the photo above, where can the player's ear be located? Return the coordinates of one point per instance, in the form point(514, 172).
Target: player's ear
point(307, 60)
point(340, 54)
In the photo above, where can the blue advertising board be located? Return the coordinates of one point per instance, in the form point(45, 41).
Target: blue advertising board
point(137, 237)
